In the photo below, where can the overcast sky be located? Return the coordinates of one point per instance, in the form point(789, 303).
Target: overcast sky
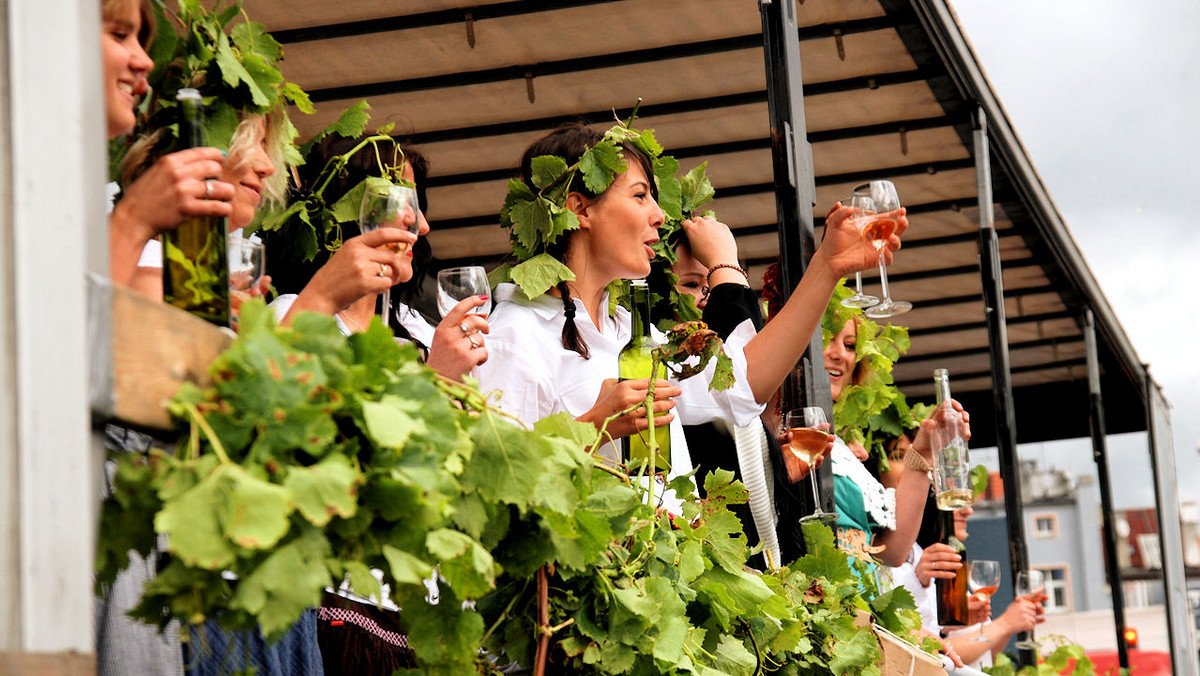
point(1105, 96)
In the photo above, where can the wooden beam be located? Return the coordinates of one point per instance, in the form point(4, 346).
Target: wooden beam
point(47, 664)
point(157, 348)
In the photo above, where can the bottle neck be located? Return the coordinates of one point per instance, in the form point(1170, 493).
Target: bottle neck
point(191, 124)
point(948, 535)
point(942, 387)
point(640, 301)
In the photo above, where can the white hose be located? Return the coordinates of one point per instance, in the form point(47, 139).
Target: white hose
point(754, 461)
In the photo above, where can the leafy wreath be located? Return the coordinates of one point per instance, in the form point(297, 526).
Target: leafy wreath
point(537, 217)
point(873, 411)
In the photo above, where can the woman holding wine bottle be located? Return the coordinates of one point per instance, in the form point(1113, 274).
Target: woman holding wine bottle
point(557, 352)
point(873, 520)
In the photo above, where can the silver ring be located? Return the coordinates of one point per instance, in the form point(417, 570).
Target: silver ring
point(207, 189)
point(465, 329)
point(474, 343)
point(383, 270)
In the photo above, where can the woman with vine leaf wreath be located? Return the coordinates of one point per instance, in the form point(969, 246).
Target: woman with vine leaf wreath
point(872, 520)
point(557, 351)
point(348, 282)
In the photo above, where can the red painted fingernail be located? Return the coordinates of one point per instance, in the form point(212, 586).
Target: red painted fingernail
point(484, 297)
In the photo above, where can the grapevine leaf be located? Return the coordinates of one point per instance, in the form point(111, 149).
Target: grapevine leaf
point(255, 512)
point(253, 38)
point(233, 72)
point(292, 92)
point(561, 220)
point(220, 123)
point(406, 568)
point(348, 207)
point(326, 489)
point(669, 191)
point(979, 480)
point(193, 528)
point(855, 651)
point(291, 579)
point(599, 165)
point(266, 76)
point(530, 219)
point(443, 634)
point(465, 564)
point(506, 463)
point(563, 425)
point(546, 169)
point(733, 657)
point(350, 124)
point(648, 144)
point(390, 421)
point(696, 189)
point(536, 275)
point(362, 581)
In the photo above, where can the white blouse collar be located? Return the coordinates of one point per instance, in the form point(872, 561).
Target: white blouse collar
point(880, 502)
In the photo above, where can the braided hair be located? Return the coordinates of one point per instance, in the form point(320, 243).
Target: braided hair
point(569, 141)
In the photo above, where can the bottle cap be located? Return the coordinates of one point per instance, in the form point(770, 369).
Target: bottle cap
point(187, 94)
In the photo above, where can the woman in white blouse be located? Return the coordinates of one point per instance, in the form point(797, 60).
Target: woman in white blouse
point(558, 352)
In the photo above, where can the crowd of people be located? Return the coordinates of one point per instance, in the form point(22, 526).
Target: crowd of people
point(553, 353)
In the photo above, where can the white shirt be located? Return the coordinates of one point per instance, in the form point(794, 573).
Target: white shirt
point(905, 575)
point(415, 324)
point(538, 377)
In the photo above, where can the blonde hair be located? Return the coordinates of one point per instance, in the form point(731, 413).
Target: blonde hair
point(277, 135)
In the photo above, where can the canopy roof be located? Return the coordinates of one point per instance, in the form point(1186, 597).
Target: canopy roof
point(891, 88)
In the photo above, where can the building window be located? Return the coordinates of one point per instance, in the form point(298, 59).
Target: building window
point(1058, 589)
point(1045, 526)
point(1151, 554)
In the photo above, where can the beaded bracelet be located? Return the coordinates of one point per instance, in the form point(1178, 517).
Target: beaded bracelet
point(731, 266)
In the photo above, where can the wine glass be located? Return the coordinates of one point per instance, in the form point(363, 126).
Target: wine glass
point(1031, 584)
point(810, 441)
point(983, 578)
point(863, 206)
point(457, 284)
point(386, 205)
point(246, 262)
point(876, 231)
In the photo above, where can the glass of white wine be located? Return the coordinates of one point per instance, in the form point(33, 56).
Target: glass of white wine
point(876, 231)
point(458, 284)
point(809, 431)
point(246, 263)
point(1031, 584)
point(386, 205)
point(864, 207)
point(983, 578)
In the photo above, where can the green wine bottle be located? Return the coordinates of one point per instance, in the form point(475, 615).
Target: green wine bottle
point(635, 362)
point(195, 264)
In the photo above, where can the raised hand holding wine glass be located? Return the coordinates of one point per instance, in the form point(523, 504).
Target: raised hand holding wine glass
point(864, 208)
point(876, 231)
point(387, 205)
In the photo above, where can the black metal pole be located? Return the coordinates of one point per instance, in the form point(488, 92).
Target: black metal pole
point(795, 196)
point(1107, 512)
point(991, 278)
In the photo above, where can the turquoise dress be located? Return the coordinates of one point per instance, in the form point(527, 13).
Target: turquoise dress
point(863, 504)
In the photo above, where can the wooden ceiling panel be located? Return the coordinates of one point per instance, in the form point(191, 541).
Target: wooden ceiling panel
point(849, 110)
point(864, 55)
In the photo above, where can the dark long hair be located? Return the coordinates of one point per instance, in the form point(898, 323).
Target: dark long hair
point(293, 275)
point(569, 141)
